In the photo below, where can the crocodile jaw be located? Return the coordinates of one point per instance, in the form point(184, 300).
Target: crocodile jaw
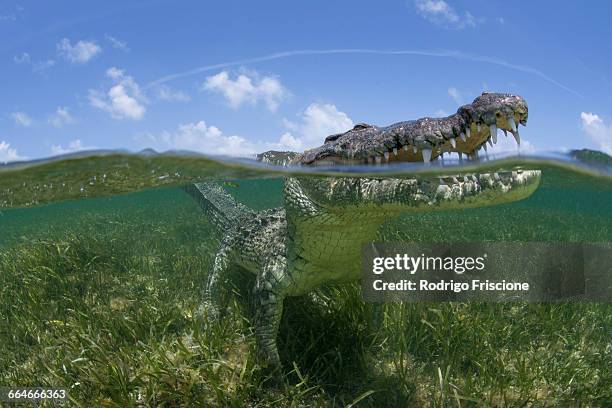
point(374, 197)
point(426, 139)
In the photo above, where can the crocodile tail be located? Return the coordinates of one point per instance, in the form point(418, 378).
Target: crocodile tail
point(220, 207)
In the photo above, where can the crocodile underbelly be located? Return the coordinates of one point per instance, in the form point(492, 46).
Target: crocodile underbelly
point(321, 254)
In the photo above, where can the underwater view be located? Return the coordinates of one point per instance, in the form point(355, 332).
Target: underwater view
point(403, 204)
point(102, 293)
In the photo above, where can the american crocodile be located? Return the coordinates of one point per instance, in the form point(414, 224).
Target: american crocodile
point(317, 235)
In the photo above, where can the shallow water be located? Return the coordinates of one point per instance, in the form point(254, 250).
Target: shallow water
point(572, 202)
point(103, 260)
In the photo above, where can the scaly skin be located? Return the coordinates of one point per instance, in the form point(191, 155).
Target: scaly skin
point(425, 139)
point(317, 236)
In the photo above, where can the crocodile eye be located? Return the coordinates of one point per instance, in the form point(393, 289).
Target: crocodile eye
point(497, 114)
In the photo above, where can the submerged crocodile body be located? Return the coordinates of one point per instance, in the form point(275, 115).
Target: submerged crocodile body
point(317, 235)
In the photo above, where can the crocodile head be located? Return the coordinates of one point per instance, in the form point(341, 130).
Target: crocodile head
point(425, 139)
point(422, 140)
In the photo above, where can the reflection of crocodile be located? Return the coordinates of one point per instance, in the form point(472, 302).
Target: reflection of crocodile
point(316, 237)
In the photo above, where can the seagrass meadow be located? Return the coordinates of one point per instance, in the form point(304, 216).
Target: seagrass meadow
point(101, 296)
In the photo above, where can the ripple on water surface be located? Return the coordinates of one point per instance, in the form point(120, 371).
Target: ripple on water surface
point(107, 173)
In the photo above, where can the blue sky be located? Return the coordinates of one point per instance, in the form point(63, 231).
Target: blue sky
point(236, 77)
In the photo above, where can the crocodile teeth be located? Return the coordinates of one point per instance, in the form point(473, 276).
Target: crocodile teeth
point(505, 132)
point(484, 146)
point(490, 142)
point(468, 132)
point(453, 142)
point(493, 131)
point(517, 137)
point(378, 159)
point(395, 151)
point(462, 136)
point(426, 155)
point(478, 127)
point(386, 156)
point(414, 149)
point(512, 124)
point(406, 147)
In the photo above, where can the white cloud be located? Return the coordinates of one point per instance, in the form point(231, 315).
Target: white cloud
point(165, 93)
point(73, 146)
point(245, 89)
point(22, 119)
point(287, 142)
point(115, 73)
point(8, 154)
point(61, 117)
point(11, 15)
point(81, 52)
point(123, 100)
point(455, 94)
point(199, 137)
point(118, 44)
point(315, 123)
point(441, 13)
point(37, 66)
point(597, 130)
point(22, 58)
point(40, 66)
point(440, 113)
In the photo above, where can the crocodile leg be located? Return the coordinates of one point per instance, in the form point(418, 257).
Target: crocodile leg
point(270, 290)
point(214, 282)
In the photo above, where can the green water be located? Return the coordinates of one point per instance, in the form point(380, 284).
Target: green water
point(569, 205)
point(101, 278)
